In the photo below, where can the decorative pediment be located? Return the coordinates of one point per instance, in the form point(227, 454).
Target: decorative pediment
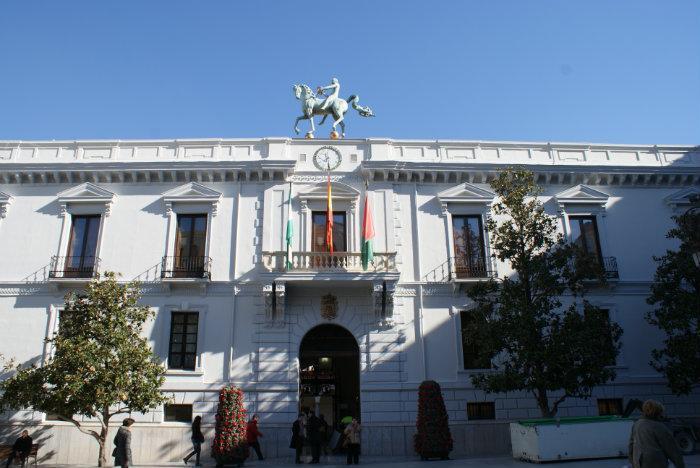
point(320, 192)
point(86, 193)
point(5, 201)
point(581, 195)
point(192, 192)
point(466, 193)
point(683, 198)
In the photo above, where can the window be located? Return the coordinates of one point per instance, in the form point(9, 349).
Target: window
point(468, 247)
point(190, 243)
point(178, 413)
point(481, 410)
point(318, 231)
point(603, 315)
point(609, 406)
point(183, 340)
point(472, 357)
point(584, 233)
point(82, 246)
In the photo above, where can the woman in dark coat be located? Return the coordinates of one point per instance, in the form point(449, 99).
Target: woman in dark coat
point(651, 442)
point(122, 445)
point(297, 442)
point(197, 441)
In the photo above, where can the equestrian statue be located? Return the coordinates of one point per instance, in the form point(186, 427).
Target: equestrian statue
point(319, 103)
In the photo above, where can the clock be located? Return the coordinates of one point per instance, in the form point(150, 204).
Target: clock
point(327, 158)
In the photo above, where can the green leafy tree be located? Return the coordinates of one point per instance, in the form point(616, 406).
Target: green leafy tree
point(101, 365)
point(537, 343)
point(676, 295)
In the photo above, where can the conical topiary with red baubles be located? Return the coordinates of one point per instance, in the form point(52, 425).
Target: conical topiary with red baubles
point(230, 444)
point(433, 438)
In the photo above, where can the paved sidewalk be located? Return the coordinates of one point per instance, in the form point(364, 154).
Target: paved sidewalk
point(692, 461)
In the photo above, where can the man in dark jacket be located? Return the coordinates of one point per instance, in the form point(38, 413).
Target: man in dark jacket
point(21, 448)
point(313, 432)
point(651, 442)
point(122, 445)
point(297, 442)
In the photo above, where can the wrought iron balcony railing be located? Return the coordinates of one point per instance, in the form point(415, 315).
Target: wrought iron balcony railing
point(609, 265)
point(324, 261)
point(475, 269)
point(73, 267)
point(186, 267)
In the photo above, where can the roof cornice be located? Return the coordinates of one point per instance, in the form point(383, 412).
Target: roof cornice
point(455, 173)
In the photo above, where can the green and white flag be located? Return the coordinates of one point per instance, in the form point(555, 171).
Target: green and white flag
point(290, 230)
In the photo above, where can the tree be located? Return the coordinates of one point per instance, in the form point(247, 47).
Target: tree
point(433, 438)
point(537, 343)
point(101, 365)
point(230, 443)
point(676, 293)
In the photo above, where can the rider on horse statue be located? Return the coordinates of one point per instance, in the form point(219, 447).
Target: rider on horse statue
point(335, 86)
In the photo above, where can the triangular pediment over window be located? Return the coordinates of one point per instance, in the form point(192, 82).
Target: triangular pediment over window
point(192, 192)
point(581, 195)
point(466, 193)
point(320, 192)
point(683, 197)
point(5, 200)
point(86, 194)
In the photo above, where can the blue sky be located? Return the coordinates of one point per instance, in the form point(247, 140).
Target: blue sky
point(623, 71)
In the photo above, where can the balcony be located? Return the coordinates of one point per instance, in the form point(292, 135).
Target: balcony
point(610, 268)
point(467, 271)
point(73, 268)
point(186, 268)
point(324, 262)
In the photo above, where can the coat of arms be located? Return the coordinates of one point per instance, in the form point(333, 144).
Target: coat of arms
point(329, 307)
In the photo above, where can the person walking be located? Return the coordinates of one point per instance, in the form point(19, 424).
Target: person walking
point(122, 445)
point(297, 442)
point(21, 448)
point(252, 433)
point(352, 437)
point(313, 431)
point(324, 430)
point(651, 442)
point(197, 441)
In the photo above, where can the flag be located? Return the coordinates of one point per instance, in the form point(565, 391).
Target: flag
point(290, 230)
point(367, 249)
point(329, 218)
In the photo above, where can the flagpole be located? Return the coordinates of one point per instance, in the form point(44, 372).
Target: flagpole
point(329, 212)
point(290, 229)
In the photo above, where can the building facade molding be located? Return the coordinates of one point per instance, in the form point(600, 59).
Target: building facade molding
point(5, 201)
point(86, 194)
point(192, 192)
point(682, 198)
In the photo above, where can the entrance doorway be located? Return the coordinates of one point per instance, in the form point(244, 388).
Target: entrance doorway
point(329, 375)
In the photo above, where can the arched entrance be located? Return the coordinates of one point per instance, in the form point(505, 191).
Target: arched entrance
point(329, 373)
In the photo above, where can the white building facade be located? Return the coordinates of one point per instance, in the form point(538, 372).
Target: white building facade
point(201, 223)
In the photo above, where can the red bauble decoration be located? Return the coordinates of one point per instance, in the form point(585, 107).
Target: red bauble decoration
point(229, 445)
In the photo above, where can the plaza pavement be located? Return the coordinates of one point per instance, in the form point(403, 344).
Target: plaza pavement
point(692, 461)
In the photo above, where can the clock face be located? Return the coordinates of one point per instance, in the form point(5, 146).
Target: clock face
point(327, 158)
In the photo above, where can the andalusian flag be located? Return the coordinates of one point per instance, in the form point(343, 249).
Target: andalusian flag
point(367, 235)
point(329, 218)
point(290, 229)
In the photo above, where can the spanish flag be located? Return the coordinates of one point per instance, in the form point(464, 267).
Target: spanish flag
point(367, 235)
point(329, 218)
